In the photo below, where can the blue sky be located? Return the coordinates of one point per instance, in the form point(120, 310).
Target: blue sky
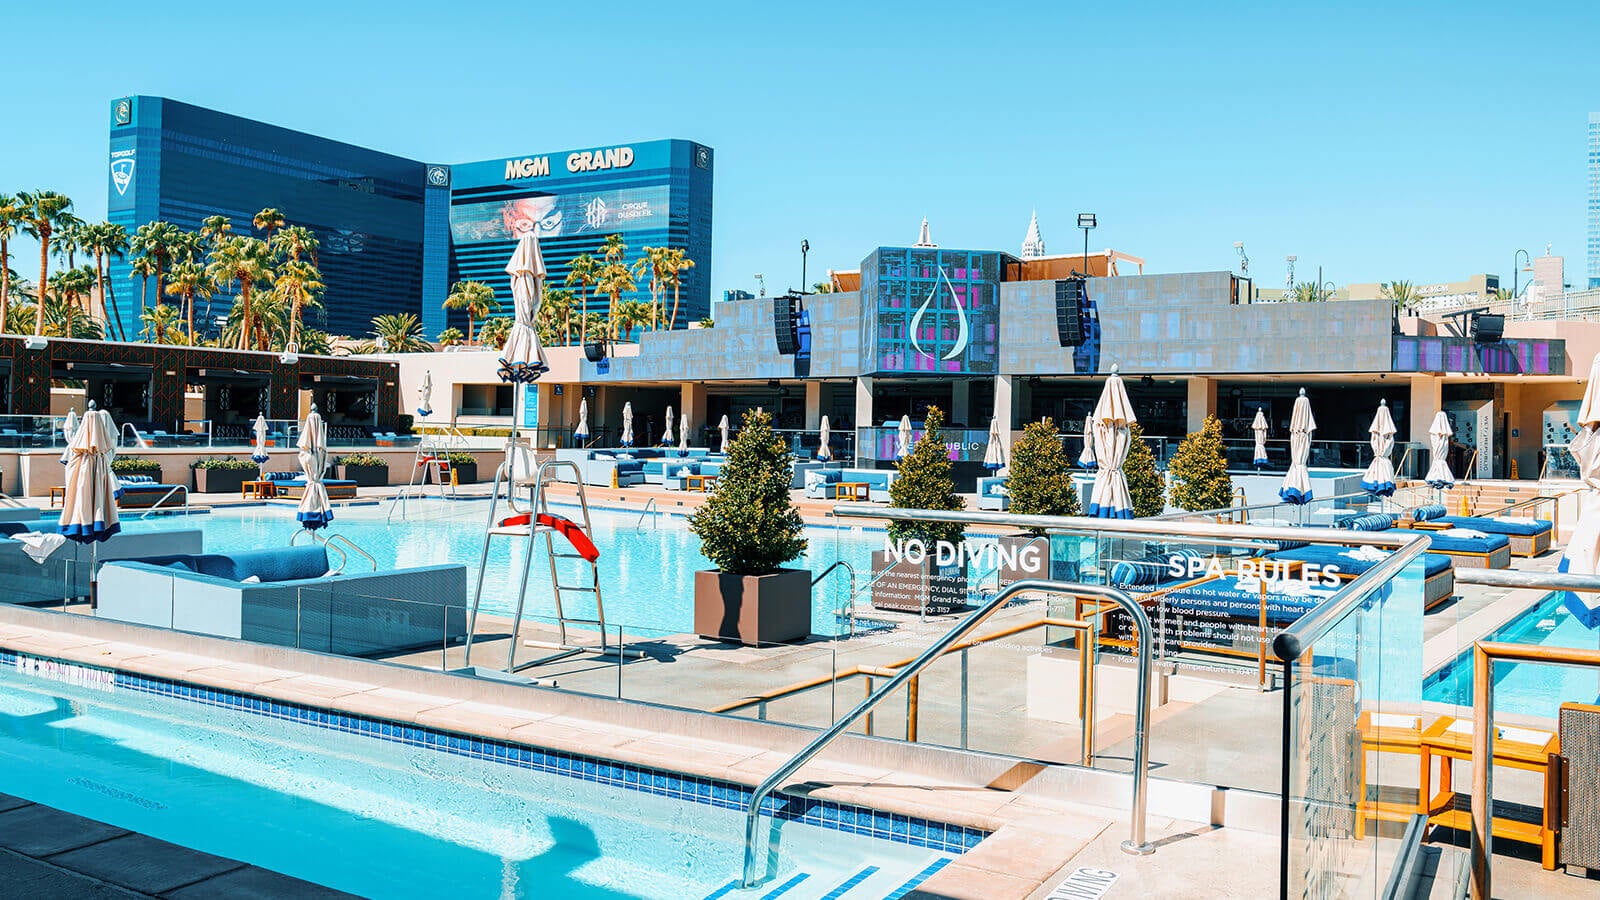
point(1411, 140)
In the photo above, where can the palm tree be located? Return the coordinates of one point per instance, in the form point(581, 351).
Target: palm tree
point(268, 220)
point(156, 240)
point(1402, 293)
point(107, 241)
point(476, 298)
point(615, 279)
point(558, 303)
point(62, 315)
point(398, 333)
point(822, 287)
point(189, 279)
point(680, 263)
point(450, 337)
point(614, 249)
point(66, 240)
point(215, 228)
point(163, 324)
point(247, 261)
point(628, 315)
point(42, 211)
point(11, 216)
point(144, 267)
point(300, 286)
point(1305, 292)
point(583, 271)
point(315, 343)
point(294, 241)
point(708, 322)
point(495, 332)
point(69, 285)
point(655, 262)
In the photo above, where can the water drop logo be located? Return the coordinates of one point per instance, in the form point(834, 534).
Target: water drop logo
point(962, 328)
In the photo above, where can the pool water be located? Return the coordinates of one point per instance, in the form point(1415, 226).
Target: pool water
point(1537, 690)
point(646, 569)
point(381, 818)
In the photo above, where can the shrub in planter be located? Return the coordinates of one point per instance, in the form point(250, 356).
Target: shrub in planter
point(365, 469)
point(924, 482)
point(136, 465)
point(465, 466)
point(1199, 470)
point(749, 528)
point(1040, 484)
point(223, 475)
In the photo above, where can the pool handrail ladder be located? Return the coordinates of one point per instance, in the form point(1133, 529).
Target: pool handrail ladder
point(1136, 844)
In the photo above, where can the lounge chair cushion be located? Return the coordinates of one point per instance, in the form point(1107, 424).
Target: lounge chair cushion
point(1429, 512)
point(287, 564)
point(1369, 522)
point(1500, 524)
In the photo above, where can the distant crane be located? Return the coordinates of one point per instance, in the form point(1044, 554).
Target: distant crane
point(761, 285)
point(1288, 280)
point(1244, 261)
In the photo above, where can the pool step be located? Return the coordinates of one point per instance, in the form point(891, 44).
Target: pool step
point(869, 882)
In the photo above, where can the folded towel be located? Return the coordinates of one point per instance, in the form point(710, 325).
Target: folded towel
point(1464, 533)
point(39, 545)
point(1366, 553)
point(1514, 520)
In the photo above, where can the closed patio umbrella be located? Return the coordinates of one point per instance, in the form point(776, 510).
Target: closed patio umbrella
point(522, 358)
point(258, 454)
point(1259, 426)
point(315, 511)
point(1086, 459)
point(89, 506)
point(902, 447)
point(723, 428)
point(1379, 477)
point(1113, 416)
point(683, 435)
point(627, 424)
point(581, 432)
point(69, 428)
point(994, 455)
point(1297, 481)
point(1439, 435)
point(666, 433)
point(425, 394)
point(1582, 556)
point(824, 452)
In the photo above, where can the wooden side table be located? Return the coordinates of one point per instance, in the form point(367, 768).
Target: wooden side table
point(261, 490)
point(853, 490)
point(1528, 749)
point(701, 483)
point(1385, 733)
point(58, 495)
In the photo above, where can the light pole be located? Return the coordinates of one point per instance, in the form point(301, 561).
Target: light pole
point(805, 247)
point(1514, 273)
point(1087, 221)
point(1325, 291)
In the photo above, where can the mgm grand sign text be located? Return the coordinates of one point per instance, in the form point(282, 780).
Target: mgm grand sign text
point(582, 161)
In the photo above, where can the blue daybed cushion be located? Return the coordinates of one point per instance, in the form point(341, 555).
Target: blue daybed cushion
point(1225, 597)
point(9, 528)
point(1445, 542)
point(1519, 527)
point(299, 481)
point(284, 564)
point(1428, 513)
point(1323, 555)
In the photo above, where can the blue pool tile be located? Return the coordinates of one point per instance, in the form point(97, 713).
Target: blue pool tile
point(917, 879)
point(784, 888)
point(850, 884)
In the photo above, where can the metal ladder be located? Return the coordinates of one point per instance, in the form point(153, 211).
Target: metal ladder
point(428, 459)
point(527, 531)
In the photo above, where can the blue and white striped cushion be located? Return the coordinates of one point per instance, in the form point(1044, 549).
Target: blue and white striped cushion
point(1138, 574)
point(138, 479)
point(1431, 511)
point(1369, 522)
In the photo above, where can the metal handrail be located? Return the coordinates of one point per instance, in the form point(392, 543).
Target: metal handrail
point(656, 522)
point(841, 564)
point(1291, 642)
point(157, 505)
point(1136, 843)
point(346, 542)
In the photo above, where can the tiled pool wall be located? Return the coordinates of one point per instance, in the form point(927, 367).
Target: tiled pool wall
point(850, 819)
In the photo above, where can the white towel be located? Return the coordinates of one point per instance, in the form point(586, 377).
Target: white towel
point(1463, 533)
point(39, 545)
point(1366, 553)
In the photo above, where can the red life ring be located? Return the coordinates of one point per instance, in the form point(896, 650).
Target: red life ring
point(568, 529)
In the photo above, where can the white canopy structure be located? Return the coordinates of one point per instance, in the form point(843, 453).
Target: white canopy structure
point(1439, 434)
point(1297, 481)
point(522, 358)
point(1379, 477)
point(315, 511)
point(89, 506)
point(1112, 419)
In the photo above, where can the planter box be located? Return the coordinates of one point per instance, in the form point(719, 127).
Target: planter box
point(1026, 550)
point(915, 587)
point(153, 471)
point(223, 481)
point(753, 609)
point(365, 476)
point(466, 473)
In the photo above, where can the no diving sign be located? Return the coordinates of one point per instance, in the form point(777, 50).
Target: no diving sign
point(1085, 884)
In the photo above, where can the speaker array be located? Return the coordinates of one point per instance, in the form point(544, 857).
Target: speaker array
point(785, 311)
point(1069, 319)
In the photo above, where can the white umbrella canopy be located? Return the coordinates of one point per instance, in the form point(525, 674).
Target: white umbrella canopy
point(522, 358)
point(1439, 435)
point(1582, 556)
point(315, 511)
point(1297, 481)
point(627, 424)
point(1259, 426)
point(69, 428)
point(1379, 477)
point(425, 393)
point(723, 428)
point(666, 434)
point(683, 435)
point(581, 432)
point(89, 506)
point(824, 452)
point(902, 448)
point(1112, 418)
point(994, 455)
point(1086, 459)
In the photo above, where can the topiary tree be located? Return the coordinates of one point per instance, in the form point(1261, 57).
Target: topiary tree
point(1144, 482)
point(750, 526)
point(1199, 470)
point(924, 483)
point(1040, 483)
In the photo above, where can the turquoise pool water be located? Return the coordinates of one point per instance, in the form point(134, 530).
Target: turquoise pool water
point(647, 573)
point(381, 818)
point(1537, 690)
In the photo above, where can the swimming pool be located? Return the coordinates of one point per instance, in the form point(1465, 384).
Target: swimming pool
point(646, 569)
point(381, 809)
point(1537, 690)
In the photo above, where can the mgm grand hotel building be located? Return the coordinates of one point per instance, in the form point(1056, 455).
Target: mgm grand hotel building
point(983, 334)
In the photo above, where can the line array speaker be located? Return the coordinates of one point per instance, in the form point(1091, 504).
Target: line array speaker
point(784, 328)
point(1069, 322)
